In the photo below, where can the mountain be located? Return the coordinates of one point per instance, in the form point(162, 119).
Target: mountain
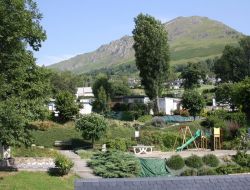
point(191, 39)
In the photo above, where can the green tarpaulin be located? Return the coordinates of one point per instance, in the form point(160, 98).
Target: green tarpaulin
point(152, 167)
point(177, 118)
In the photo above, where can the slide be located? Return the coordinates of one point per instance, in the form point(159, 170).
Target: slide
point(192, 139)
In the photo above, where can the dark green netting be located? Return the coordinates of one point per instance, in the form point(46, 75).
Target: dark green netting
point(177, 118)
point(152, 167)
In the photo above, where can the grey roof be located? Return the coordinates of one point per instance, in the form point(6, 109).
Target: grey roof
point(229, 182)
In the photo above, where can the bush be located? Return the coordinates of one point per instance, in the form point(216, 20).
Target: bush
point(242, 158)
point(115, 164)
point(231, 169)
point(145, 118)
point(117, 144)
point(189, 172)
point(206, 171)
point(194, 161)
point(210, 160)
point(175, 162)
point(151, 138)
point(169, 140)
point(63, 165)
point(158, 122)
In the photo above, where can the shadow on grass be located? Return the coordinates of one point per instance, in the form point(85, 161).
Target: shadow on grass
point(76, 143)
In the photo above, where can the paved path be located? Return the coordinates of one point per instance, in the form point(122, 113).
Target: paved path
point(186, 153)
point(80, 165)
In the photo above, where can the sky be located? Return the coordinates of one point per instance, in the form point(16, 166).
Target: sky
point(79, 26)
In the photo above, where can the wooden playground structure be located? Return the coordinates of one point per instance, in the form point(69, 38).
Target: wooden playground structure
point(200, 136)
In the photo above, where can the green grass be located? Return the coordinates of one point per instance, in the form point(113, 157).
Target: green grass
point(85, 154)
point(62, 133)
point(33, 152)
point(35, 181)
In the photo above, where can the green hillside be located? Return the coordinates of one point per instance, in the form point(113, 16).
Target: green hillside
point(191, 39)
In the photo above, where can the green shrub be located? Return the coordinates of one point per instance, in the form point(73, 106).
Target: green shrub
point(117, 144)
point(169, 140)
point(115, 164)
point(175, 162)
point(194, 161)
point(210, 160)
point(242, 158)
point(189, 172)
point(207, 171)
point(63, 165)
point(231, 169)
point(151, 138)
point(145, 118)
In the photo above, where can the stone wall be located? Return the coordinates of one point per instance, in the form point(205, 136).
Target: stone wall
point(230, 182)
point(34, 163)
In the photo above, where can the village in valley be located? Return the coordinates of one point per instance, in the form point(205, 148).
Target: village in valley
point(168, 101)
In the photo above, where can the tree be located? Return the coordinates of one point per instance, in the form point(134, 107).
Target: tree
point(101, 102)
point(241, 95)
point(102, 92)
point(234, 64)
point(92, 126)
point(193, 102)
point(152, 55)
point(245, 46)
point(223, 94)
point(66, 105)
point(24, 85)
point(119, 88)
point(64, 81)
point(192, 75)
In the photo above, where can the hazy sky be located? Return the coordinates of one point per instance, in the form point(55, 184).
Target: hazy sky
point(79, 26)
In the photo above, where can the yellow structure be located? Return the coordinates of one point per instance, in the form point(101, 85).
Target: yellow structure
point(217, 139)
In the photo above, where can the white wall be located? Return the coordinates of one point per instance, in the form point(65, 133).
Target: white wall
point(168, 105)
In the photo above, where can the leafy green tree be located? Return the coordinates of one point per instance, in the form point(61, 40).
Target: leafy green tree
point(64, 81)
point(102, 92)
point(193, 102)
point(24, 85)
point(101, 102)
point(192, 75)
point(66, 105)
point(119, 88)
point(152, 55)
point(92, 126)
point(245, 46)
point(234, 64)
point(241, 95)
point(224, 93)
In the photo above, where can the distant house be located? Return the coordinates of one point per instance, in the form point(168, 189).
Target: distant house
point(130, 99)
point(85, 96)
point(168, 105)
point(52, 105)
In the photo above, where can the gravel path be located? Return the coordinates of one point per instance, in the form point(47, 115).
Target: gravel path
point(186, 153)
point(80, 165)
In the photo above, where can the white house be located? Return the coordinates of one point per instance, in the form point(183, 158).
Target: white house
point(84, 92)
point(86, 97)
point(52, 105)
point(168, 105)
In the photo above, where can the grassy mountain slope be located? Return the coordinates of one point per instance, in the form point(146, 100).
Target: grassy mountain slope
point(190, 38)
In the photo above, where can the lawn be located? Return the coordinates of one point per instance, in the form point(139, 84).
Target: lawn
point(62, 133)
point(35, 181)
